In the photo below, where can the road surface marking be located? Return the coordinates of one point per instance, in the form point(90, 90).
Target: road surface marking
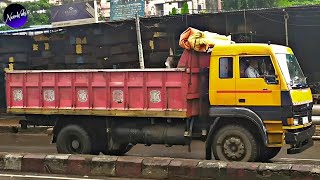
point(43, 177)
point(294, 159)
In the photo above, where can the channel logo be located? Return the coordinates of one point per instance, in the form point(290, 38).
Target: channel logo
point(15, 16)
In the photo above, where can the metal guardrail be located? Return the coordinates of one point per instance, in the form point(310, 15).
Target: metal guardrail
point(316, 120)
point(316, 110)
point(316, 114)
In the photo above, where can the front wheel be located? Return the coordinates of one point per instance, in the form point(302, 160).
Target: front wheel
point(234, 143)
point(268, 153)
point(73, 139)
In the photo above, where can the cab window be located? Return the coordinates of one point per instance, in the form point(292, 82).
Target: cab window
point(256, 66)
point(225, 67)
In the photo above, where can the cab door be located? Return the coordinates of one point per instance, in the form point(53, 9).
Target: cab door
point(257, 91)
point(222, 81)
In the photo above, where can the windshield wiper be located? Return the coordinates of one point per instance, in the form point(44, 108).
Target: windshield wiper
point(299, 86)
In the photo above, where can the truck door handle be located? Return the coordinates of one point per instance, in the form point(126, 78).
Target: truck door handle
point(242, 100)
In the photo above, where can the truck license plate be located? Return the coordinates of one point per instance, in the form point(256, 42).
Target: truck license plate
point(305, 120)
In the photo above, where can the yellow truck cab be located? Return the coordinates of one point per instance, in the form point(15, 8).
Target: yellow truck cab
point(265, 84)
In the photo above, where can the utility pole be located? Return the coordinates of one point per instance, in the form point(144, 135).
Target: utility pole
point(219, 5)
point(140, 50)
point(286, 17)
point(245, 22)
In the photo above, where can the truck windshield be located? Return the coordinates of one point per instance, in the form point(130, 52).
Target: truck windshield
point(291, 71)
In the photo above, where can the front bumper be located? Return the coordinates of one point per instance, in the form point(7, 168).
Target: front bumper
point(300, 140)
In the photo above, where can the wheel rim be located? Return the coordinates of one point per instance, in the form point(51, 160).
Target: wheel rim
point(233, 148)
point(74, 144)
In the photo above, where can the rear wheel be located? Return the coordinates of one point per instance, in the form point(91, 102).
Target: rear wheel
point(73, 139)
point(234, 143)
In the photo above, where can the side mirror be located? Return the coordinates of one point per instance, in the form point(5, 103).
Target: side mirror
point(271, 79)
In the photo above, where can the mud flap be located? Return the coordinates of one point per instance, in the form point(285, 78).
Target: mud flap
point(210, 139)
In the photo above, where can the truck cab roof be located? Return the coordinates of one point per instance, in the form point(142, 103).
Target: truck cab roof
point(249, 49)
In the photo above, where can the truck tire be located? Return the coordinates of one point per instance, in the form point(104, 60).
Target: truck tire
point(73, 139)
point(234, 143)
point(267, 153)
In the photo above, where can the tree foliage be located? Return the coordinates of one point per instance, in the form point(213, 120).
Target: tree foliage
point(248, 4)
point(34, 16)
point(251, 4)
point(174, 11)
point(287, 3)
point(185, 8)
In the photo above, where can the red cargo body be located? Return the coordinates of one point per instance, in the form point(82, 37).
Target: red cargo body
point(114, 92)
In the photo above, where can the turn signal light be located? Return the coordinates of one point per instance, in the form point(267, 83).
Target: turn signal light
point(290, 121)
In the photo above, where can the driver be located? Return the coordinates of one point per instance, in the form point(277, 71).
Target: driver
point(252, 70)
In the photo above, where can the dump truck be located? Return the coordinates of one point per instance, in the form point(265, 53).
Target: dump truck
point(207, 96)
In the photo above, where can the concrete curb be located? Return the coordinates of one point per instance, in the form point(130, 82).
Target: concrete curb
point(152, 167)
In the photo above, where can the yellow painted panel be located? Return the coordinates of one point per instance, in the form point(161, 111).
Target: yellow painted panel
point(78, 40)
point(11, 66)
point(249, 48)
point(255, 91)
point(273, 126)
point(297, 127)
point(221, 91)
point(79, 49)
point(84, 40)
point(46, 46)
point(244, 49)
point(273, 122)
point(151, 44)
point(11, 59)
point(35, 47)
point(276, 138)
point(301, 96)
point(275, 132)
point(275, 145)
point(41, 37)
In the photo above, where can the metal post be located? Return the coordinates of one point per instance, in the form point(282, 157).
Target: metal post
point(286, 17)
point(140, 50)
point(192, 7)
point(96, 14)
point(219, 6)
point(245, 22)
point(226, 18)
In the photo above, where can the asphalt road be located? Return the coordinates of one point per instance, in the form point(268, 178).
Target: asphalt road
point(40, 143)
